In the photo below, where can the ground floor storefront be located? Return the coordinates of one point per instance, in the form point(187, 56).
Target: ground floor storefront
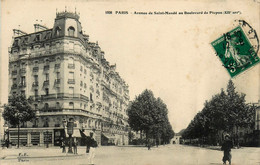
point(54, 136)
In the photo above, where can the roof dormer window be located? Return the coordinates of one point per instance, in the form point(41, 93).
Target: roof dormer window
point(57, 31)
point(71, 31)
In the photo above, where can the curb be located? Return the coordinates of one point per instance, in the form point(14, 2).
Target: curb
point(43, 157)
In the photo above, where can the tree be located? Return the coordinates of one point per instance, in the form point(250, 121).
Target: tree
point(226, 111)
point(149, 115)
point(17, 111)
point(140, 118)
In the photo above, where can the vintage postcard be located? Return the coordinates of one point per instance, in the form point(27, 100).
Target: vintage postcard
point(129, 82)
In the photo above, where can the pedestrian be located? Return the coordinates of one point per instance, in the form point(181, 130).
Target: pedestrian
point(226, 147)
point(148, 144)
point(63, 146)
point(75, 145)
point(91, 145)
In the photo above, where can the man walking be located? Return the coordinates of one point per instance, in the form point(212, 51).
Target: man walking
point(91, 145)
point(75, 145)
point(226, 147)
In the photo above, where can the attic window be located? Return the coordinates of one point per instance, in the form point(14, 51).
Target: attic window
point(37, 38)
point(71, 31)
point(15, 42)
point(57, 31)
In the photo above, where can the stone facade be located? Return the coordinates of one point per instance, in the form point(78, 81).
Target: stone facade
point(67, 76)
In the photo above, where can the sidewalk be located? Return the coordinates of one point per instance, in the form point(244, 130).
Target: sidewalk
point(38, 152)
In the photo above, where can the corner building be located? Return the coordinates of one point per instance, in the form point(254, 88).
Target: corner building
point(68, 77)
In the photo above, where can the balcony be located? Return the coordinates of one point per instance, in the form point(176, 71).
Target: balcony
point(14, 72)
point(57, 66)
point(35, 84)
point(71, 81)
point(35, 69)
point(57, 81)
point(71, 66)
point(49, 96)
point(22, 85)
point(22, 71)
point(35, 98)
point(46, 67)
point(46, 83)
point(14, 86)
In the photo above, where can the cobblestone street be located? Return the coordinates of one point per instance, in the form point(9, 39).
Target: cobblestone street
point(111, 155)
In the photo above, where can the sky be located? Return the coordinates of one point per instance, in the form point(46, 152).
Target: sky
point(168, 54)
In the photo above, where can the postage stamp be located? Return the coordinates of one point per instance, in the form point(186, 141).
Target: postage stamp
point(235, 51)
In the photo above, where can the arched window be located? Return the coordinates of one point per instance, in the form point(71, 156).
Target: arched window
point(71, 31)
point(57, 105)
point(71, 105)
point(57, 31)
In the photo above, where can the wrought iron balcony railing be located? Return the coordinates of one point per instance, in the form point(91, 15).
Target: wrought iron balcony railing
point(71, 81)
point(71, 66)
point(46, 83)
point(35, 84)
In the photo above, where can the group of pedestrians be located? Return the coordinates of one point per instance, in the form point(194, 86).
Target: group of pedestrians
point(74, 145)
point(91, 144)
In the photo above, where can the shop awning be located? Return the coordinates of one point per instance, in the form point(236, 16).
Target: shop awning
point(109, 136)
point(76, 133)
point(85, 133)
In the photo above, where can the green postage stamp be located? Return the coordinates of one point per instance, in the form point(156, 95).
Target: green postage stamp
point(235, 51)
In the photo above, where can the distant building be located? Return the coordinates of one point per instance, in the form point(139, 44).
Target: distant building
point(176, 139)
point(68, 77)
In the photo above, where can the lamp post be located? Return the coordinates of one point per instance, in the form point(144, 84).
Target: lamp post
point(70, 125)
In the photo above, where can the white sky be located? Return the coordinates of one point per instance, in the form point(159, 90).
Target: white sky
point(169, 54)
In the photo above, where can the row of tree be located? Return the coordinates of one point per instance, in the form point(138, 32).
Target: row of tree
point(149, 115)
point(225, 112)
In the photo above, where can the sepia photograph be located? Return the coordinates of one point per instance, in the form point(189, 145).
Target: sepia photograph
point(130, 82)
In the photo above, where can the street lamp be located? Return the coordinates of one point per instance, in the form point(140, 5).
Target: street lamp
point(70, 125)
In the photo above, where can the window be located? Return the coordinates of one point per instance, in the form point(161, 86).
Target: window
point(35, 106)
point(71, 90)
point(71, 31)
point(57, 105)
point(57, 31)
point(71, 105)
point(81, 68)
point(47, 77)
point(58, 89)
point(85, 106)
point(71, 63)
point(37, 38)
point(91, 97)
point(23, 92)
point(15, 42)
point(47, 91)
point(46, 106)
point(36, 92)
point(35, 78)
point(58, 75)
point(23, 80)
point(71, 75)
